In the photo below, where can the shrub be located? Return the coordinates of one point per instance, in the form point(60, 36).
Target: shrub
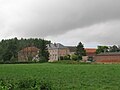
point(67, 57)
point(74, 57)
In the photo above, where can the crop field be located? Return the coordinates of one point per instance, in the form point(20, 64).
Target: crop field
point(54, 76)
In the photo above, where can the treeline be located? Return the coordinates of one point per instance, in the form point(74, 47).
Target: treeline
point(9, 48)
point(104, 49)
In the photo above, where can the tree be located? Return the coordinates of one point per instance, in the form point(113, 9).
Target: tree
point(1, 52)
point(114, 48)
point(101, 49)
point(80, 51)
point(10, 47)
point(43, 52)
point(7, 56)
point(10, 51)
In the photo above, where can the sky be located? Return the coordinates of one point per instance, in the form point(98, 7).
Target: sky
point(92, 22)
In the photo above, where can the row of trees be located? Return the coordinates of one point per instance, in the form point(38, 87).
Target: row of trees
point(9, 48)
point(104, 49)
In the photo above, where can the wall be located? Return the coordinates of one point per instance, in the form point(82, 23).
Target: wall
point(107, 58)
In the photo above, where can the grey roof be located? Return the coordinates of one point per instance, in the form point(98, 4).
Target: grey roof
point(55, 46)
point(71, 48)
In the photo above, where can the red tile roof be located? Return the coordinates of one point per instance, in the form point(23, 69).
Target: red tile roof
point(90, 50)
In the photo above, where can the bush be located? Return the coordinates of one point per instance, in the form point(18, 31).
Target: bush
point(67, 57)
point(74, 57)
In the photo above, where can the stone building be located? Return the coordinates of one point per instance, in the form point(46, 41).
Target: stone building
point(27, 54)
point(57, 50)
point(71, 50)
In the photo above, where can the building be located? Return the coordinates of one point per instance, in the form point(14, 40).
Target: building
point(71, 49)
point(90, 52)
point(57, 50)
point(28, 54)
point(113, 57)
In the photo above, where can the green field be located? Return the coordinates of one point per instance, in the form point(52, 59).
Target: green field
point(60, 76)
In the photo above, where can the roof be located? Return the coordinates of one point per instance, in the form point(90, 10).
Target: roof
point(90, 50)
point(29, 49)
point(55, 46)
point(71, 48)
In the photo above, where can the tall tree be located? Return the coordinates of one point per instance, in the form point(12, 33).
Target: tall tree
point(80, 51)
point(43, 52)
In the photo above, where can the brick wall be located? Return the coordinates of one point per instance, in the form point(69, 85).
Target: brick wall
point(107, 58)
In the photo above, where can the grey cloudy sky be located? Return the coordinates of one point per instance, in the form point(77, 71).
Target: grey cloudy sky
point(93, 22)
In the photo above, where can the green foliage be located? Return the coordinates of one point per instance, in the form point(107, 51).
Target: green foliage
point(67, 57)
point(60, 76)
point(69, 62)
point(101, 49)
point(43, 52)
point(7, 56)
point(114, 48)
point(45, 85)
point(9, 48)
point(24, 84)
point(80, 51)
point(104, 49)
point(74, 57)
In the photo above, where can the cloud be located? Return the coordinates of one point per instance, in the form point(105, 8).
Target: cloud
point(97, 34)
point(53, 18)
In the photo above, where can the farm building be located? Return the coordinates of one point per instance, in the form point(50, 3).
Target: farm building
point(90, 52)
point(108, 57)
point(56, 50)
point(28, 53)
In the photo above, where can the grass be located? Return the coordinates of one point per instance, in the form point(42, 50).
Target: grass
point(59, 76)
